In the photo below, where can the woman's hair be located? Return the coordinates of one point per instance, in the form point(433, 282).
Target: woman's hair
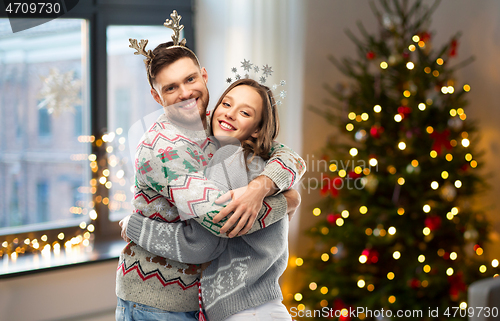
point(269, 123)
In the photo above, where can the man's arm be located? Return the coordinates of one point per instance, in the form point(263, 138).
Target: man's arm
point(176, 172)
point(182, 242)
point(281, 172)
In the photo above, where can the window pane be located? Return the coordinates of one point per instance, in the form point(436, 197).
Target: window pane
point(131, 108)
point(43, 114)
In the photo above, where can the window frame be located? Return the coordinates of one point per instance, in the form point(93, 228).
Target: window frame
point(99, 15)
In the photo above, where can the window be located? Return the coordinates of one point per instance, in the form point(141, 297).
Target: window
point(42, 80)
point(129, 102)
point(70, 90)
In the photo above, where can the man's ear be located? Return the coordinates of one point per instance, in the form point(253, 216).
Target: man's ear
point(156, 96)
point(204, 74)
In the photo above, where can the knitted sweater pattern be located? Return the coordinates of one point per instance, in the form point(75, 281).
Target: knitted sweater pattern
point(170, 185)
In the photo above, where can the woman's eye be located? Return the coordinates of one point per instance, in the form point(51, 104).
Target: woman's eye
point(226, 105)
point(245, 113)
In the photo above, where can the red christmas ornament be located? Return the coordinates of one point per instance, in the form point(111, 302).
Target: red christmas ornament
point(457, 285)
point(338, 305)
point(424, 36)
point(371, 255)
point(332, 186)
point(433, 222)
point(353, 175)
point(414, 283)
point(453, 48)
point(376, 130)
point(441, 140)
point(332, 218)
point(370, 55)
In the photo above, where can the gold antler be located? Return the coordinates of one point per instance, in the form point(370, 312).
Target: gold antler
point(141, 48)
point(176, 27)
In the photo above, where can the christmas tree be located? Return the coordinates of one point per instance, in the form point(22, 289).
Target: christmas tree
point(398, 230)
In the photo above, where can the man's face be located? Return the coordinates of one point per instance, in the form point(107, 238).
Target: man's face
point(181, 88)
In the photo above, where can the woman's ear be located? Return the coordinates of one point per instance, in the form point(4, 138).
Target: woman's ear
point(256, 133)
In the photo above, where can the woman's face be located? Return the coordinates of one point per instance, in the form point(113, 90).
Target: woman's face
point(239, 114)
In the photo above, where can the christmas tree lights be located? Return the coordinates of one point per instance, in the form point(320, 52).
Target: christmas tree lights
point(409, 237)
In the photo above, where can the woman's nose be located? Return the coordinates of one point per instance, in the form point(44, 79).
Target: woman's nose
point(230, 114)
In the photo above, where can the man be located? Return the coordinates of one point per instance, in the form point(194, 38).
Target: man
point(170, 183)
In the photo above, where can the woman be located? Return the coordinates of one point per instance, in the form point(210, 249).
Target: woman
point(240, 282)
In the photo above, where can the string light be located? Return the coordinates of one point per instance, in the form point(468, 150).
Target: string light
point(384, 65)
point(353, 151)
point(377, 108)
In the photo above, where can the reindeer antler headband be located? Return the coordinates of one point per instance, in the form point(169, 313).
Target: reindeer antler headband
point(173, 24)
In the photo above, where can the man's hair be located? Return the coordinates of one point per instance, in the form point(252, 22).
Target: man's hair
point(269, 124)
point(163, 57)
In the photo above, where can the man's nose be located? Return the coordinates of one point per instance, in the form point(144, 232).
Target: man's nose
point(184, 92)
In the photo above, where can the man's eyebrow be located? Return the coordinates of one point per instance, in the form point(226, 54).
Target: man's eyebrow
point(165, 88)
point(194, 74)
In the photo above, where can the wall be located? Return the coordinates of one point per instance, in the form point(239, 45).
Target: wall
point(82, 293)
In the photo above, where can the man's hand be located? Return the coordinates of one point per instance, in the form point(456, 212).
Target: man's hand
point(246, 204)
point(123, 224)
point(293, 201)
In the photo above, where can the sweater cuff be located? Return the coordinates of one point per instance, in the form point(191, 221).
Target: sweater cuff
point(278, 175)
point(134, 227)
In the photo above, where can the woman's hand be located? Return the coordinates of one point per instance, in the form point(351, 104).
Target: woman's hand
point(123, 224)
point(246, 204)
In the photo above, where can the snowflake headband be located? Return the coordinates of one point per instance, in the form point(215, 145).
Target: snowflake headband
point(173, 24)
point(266, 72)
